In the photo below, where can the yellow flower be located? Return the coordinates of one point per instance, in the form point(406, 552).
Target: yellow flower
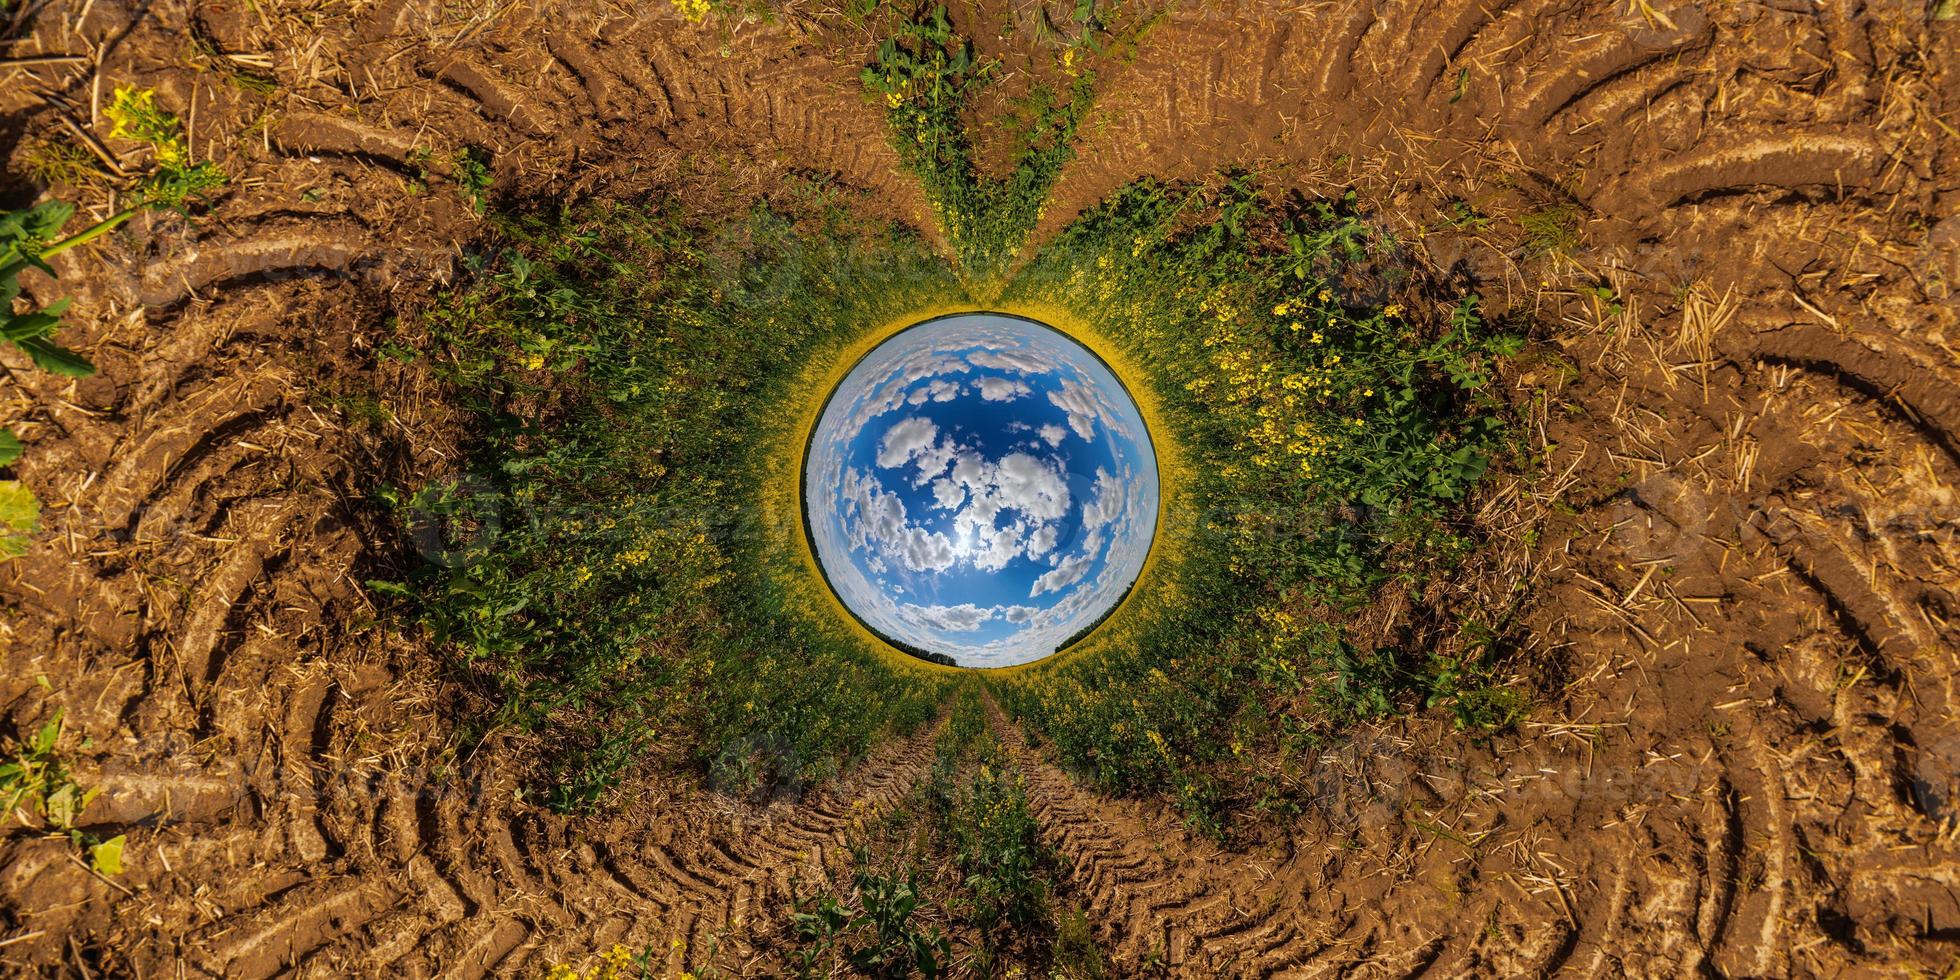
point(534, 361)
point(131, 112)
point(171, 153)
point(693, 10)
point(1392, 309)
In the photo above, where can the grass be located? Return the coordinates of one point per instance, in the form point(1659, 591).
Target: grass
point(1334, 441)
point(925, 75)
point(953, 879)
point(602, 576)
point(1551, 231)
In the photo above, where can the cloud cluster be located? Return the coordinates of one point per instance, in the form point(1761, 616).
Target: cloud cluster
point(1003, 389)
point(927, 528)
point(1029, 493)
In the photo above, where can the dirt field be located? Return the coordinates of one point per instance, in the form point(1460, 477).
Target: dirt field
point(1745, 757)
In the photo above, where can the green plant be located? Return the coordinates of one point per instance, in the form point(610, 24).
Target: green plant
point(36, 776)
point(1335, 442)
point(997, 845)
point(597, 578)
point(1464, 216)
point(473, 177)
point(51, 162)
point(1076, 956)
point(32, 236)
point(1551, 231)
point(874, 932)
point(925, 75)
point(27, 240)
point(20, 514)
point(174, 179)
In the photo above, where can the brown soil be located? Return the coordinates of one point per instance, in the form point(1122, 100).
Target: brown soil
point(1746, 760)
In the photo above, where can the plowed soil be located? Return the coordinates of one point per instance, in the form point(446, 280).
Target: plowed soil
point(1744, 758)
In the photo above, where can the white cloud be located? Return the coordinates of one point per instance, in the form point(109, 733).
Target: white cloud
point(1106, 505)
point(938, 390)
point(1066, 574)
point(875, 521)
point(1080, 407)
point(922, 551)
point(1003, 389)
point(1023, 362)
point(963, 618)
point(1054, 434)
point(973, 471)
point(1042, 541)
point(1033, 487)
point(997, 548)
point(947, 494)
point(905, 440)
point(932, 461)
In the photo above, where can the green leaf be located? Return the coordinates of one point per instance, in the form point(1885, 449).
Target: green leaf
point(387, 588)
point(49, 734)
point(50, 356)
point(20, 517)
point(62, 806)
point(31, 228)
point(10, 447)
point(107, 857)
point(28, 326)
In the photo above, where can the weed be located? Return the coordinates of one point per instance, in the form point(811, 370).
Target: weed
point(27, 240)
point(473, 178)
point(1075, 954)
point(174, 179)
point(997, 845)
point(1551, 231)
point(1464, 216)
point(37, 777)
point(20, 511)
point(603, 581)
point(694, 11)
point(873, 931)
point(55, 162)
point(30, 237)
point(1333, 441)
point(925, 75)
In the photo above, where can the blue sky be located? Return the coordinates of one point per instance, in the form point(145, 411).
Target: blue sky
point(981, 486)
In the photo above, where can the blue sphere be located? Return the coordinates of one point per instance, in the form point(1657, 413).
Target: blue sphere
point(981, 486)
